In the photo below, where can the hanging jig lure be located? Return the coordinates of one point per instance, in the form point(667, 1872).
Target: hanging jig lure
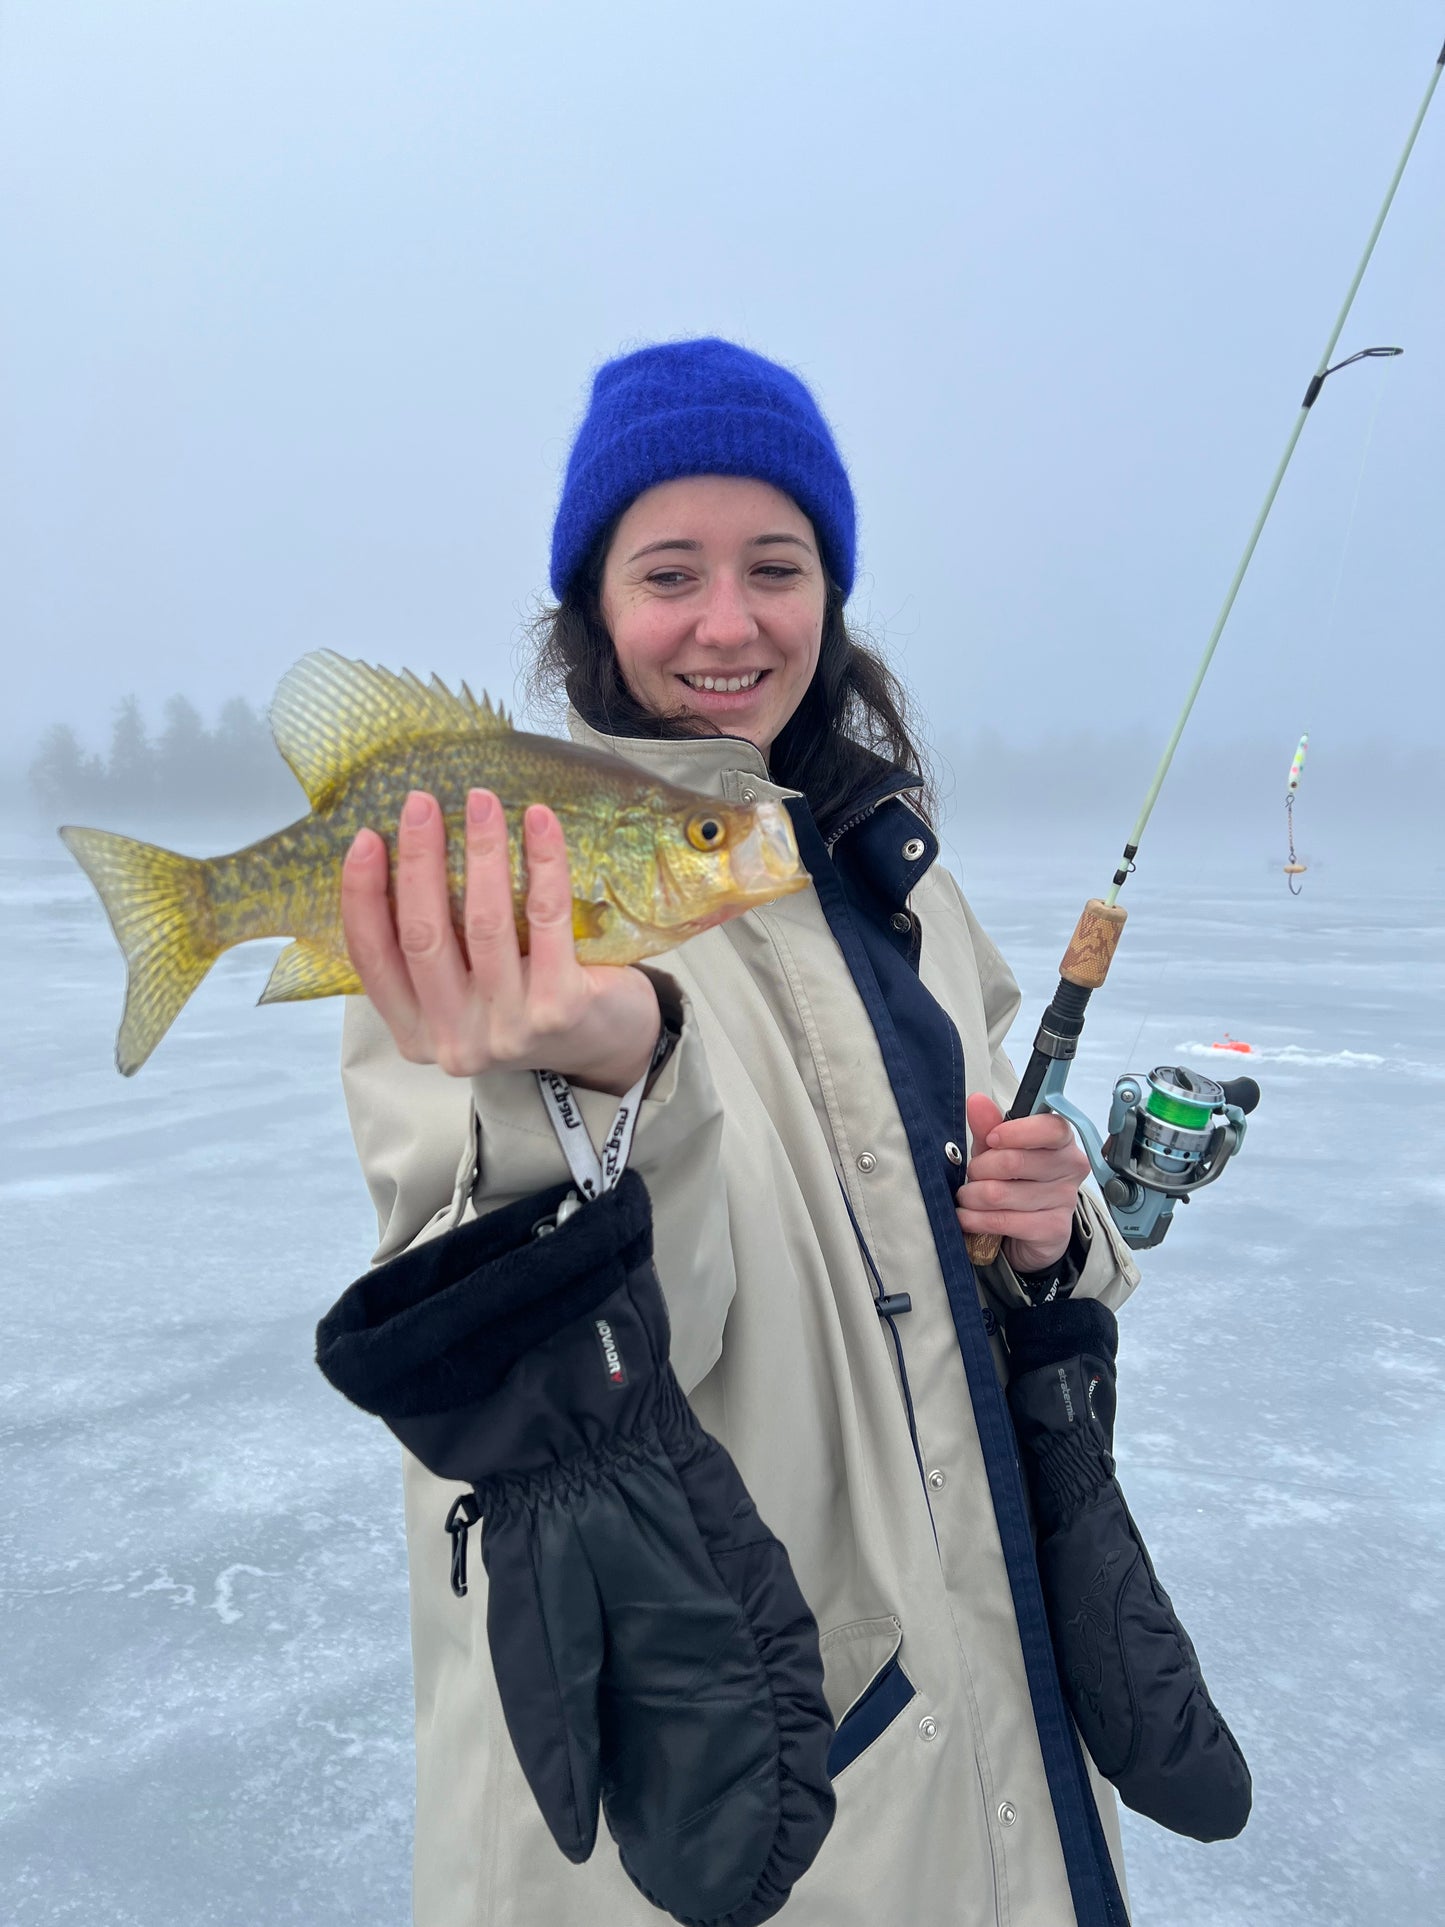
point(1294, 868)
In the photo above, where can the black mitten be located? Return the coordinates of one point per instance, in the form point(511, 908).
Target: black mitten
point(1130, 1673)
point(649, 1640)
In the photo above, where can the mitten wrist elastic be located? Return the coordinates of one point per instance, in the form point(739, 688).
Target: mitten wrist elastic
point(417, 1336)
point(1062, 1398)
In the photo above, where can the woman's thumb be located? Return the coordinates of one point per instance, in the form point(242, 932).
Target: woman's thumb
point(983, 1116)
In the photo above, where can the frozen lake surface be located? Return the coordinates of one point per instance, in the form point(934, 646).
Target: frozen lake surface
point(206, 1705)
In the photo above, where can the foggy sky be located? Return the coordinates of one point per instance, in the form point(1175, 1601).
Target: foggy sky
point(301, 301)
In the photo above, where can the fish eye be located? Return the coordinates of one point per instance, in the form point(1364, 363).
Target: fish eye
point(706, 833)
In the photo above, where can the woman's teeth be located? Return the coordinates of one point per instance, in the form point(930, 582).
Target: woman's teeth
point(729, 683)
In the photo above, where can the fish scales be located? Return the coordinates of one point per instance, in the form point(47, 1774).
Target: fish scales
point(651, 864)
point(289, 883)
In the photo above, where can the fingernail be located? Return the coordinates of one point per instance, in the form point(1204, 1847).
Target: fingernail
point(479, 805)
point(418, 809)
point(360, 848)
point(536, 817)
point(991, 1140)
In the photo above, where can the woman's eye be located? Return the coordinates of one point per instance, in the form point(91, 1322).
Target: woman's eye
point(667, 578)
point(778, 571)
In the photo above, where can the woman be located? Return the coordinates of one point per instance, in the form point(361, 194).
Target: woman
point(827, 1059)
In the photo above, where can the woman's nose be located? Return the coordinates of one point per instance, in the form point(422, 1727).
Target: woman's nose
point(726, 618)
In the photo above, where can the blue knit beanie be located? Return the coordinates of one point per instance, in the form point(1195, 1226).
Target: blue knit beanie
point(700, 408)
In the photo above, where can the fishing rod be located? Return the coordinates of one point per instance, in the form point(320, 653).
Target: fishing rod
point(1172, 1132)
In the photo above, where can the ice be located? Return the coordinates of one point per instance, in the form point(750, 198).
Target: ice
point(1288, 1054)
point(206, 1708)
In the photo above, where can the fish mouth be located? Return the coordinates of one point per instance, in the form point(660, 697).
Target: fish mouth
point(765, 863)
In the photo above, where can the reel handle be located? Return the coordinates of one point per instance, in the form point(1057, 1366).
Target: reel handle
point(1242, 1091)
point(1084, 967)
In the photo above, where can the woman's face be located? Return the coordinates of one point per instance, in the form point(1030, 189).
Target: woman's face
point(713, 592)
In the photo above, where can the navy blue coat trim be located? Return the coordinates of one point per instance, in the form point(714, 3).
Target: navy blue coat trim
point(887, 1695)
point(1092, 1884)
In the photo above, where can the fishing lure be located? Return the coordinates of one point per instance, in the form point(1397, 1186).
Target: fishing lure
point(1294, 868)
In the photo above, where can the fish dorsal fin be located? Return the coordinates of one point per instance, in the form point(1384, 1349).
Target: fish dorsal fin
point(330, 715)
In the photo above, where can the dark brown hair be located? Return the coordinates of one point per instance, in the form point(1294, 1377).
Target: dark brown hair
point(853, 723)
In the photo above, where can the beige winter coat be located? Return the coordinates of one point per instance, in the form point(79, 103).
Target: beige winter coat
point(776, 1089)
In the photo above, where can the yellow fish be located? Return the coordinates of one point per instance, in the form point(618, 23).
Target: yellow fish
point(651, 864)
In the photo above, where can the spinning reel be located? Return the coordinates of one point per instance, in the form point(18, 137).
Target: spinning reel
point(1170, 1134)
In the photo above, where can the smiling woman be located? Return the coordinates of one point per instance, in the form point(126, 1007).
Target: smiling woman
point(803, 1082)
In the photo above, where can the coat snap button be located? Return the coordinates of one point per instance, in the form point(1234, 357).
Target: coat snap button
point(867, 1162)
point(928, 1728)
point(901, 921)
point(952, 1152)
point(750, 796)
point(938, 1479)
point(1007, 1813)
point(913, 849)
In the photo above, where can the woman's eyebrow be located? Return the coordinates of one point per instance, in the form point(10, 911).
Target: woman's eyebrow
point(681, 542)
point(668, 542)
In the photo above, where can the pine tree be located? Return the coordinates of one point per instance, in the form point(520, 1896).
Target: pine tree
point(241, 746)
point(183, 757)
point(130, 767)
point(63, 777)
point(249, 770)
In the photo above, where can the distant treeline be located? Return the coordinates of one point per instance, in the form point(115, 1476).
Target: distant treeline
point(234, 771)
point(184, 767)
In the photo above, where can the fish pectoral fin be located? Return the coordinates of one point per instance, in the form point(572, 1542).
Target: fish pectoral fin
point(589, 919)
point(304, 970)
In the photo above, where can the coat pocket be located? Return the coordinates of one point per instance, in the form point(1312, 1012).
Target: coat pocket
point(866, 1685)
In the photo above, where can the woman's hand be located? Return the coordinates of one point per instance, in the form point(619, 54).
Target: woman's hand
point(1023, 1182)
point(484, 1006)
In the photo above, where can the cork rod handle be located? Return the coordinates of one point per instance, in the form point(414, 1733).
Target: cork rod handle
point(1085, 964)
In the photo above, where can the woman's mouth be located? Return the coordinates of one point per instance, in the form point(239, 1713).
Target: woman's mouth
point(735, 685)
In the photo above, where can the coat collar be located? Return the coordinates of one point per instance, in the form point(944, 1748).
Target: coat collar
point(725, 766)
point(735, 769)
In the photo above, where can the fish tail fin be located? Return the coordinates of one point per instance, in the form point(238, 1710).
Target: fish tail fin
point(160, 909)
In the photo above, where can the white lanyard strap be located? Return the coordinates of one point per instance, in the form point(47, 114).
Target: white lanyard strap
point(592, 1175)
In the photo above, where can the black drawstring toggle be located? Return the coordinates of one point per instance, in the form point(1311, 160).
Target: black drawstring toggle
point(463, 1516)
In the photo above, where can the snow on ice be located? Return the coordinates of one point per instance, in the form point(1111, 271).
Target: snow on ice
point(206, 1703)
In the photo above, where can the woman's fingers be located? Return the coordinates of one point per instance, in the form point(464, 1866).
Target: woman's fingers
point(1028, 1150)
point(371, 935)
point(1008, 1194)
point(554, 977)
point(1034, 1238)
point(471, 1007)
point(1023, 1181)
point(990, 1129)
point(1031, 1167)
point(1041, 1132)
point(489, 921)
point(424, 918)
point(1037, 1233)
